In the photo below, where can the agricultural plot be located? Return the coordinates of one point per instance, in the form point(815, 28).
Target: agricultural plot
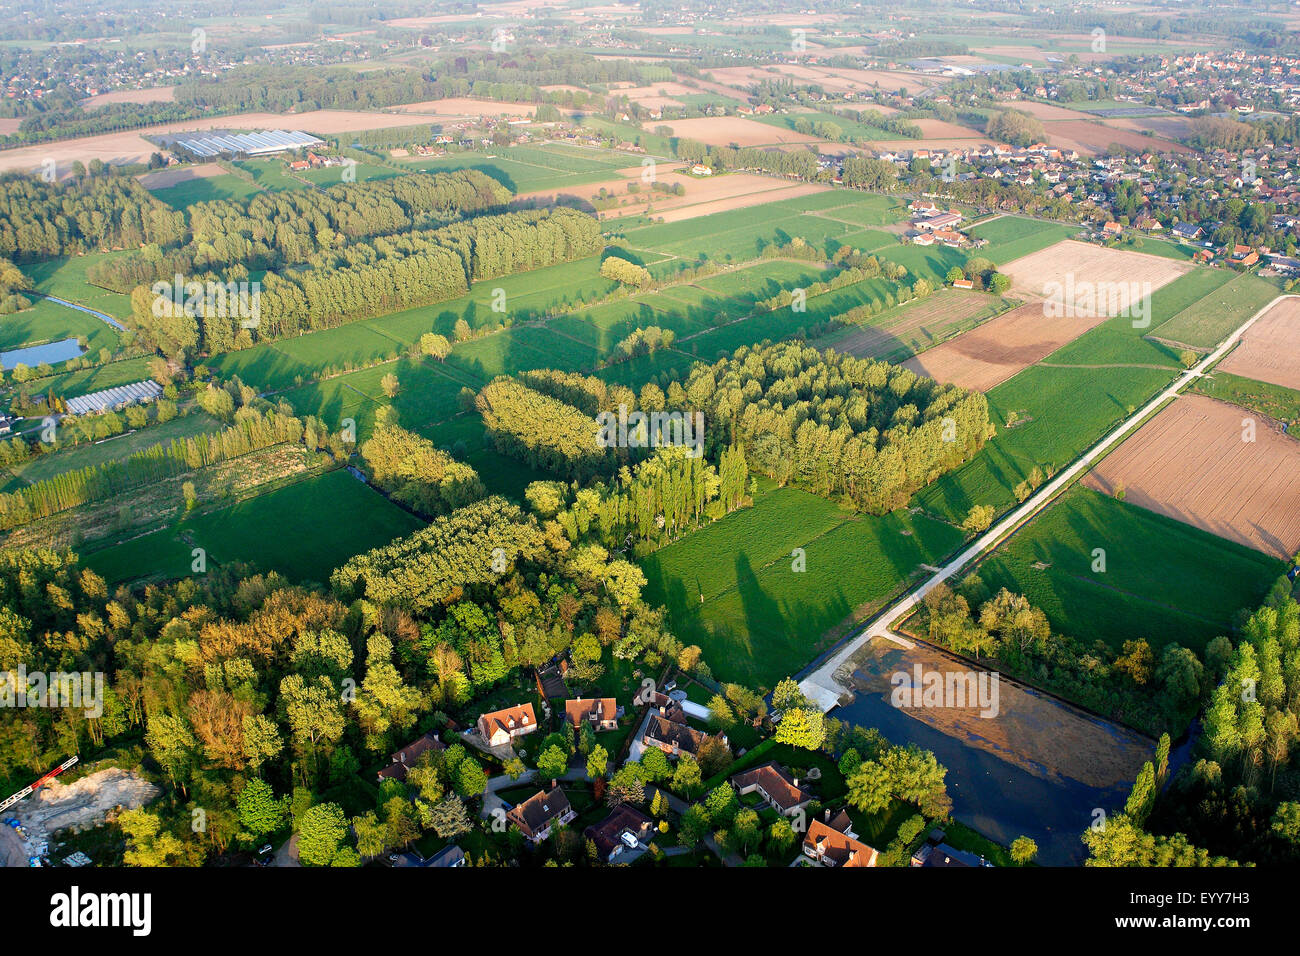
point(1270, 349)
point(603, 326)
point(1046, 417)
point(66, 278)
point(1208, 321)
point(361, 173)
point(997, 350)
point(1164, 581)
point(319, 523)
point(519, 348)
point(1080, 278)
point(1118, 342)
point(1011, 237)
point(907, 329)
point(850, 127)
point(1202, 462)
point(82, 381)
point(1083, 272)
point(205, 189)
point(1274, 401)
point(524, 169)
point(760, 620)
point(785, 322)
point(662, 367)
point(743, 233)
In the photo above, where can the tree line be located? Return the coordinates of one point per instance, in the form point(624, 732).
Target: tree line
point(368, 278)
point(272, 230)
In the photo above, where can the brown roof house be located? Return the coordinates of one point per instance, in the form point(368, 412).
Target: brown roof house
point(623, 830)
point(775, 786)
point(672, 738)
point(600, 712)
point(829, 847)
point(409, 756)
point(502, 726)
point(536, 815)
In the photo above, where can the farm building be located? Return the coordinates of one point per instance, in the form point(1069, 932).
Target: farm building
point(114, 398)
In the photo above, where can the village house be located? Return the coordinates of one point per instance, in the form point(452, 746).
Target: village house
point(673, 738)
point(624, 829)
point(936, 853)
point(600, 713)
point(409, 756)
point(830, 847)
point(775, 786)
point(539, 813)
point(1243, 256)
point(502, 726)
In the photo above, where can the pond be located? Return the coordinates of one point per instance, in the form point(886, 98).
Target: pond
point(34, 355)
point(1039, 768)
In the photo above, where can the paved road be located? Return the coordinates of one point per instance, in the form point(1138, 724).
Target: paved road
point(822, 687)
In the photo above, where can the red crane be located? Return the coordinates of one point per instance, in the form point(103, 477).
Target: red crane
point(38, 784)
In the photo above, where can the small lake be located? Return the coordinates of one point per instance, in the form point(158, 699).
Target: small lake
point(34, 355)
point(1038, 769)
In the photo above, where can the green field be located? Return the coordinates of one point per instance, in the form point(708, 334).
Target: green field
point(303, 531)
point(851, 127)
point(1275, 401)
point(66, 278)
point(223, 186)
point(1163, 581)
point(1062, 412)
point(1208, 321)
point(531, 168)
point(760, 620)
point(1011, 237)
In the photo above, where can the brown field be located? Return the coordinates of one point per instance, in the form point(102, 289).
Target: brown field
point(10, 124)
point(1090, 137)
point(918, 326)
point(998, 349)
point(1044, 111)
point(1270, 349)
point(1031, 274)
point(1169, 127)
point(159, 94)
point(131, 147)
point(938, 129)
point(1190, 462)
point(725, 130)
point(163, 178)
point(740, 201)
